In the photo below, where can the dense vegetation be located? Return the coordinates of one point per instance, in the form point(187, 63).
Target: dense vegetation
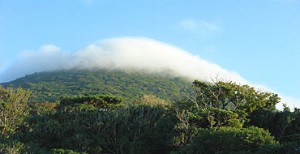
point(208, 118)
point(50, 86)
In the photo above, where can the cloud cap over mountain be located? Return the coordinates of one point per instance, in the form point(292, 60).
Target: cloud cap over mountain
point(134, 53)
point(128, 53)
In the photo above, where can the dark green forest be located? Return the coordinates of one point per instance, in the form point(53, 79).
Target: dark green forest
point(79, 111)
point(50, 86)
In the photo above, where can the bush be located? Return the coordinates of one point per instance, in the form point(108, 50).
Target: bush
point(229, 139)
point(65, 151)
point(289, 148)
point(11, 146)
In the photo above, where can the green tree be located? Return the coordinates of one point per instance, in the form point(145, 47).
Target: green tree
point(68, 125)
point(285, 126)
point(138, 129)
point(229, 139)
point(13, 109)
point(231, 96)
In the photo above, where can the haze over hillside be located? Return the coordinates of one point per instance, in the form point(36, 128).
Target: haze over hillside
point(130, 53)
point(138, 54)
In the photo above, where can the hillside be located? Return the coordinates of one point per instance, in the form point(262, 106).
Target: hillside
point(50, 86)
point(218, 118)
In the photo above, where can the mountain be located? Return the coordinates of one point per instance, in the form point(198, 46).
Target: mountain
point(50, 86)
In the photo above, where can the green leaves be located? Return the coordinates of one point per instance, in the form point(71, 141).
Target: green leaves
point(231, 96)
point(13, 109)
point(96, 102)
point(79, 125)
point(213, 118)
point(229, 139)
point(50, 86)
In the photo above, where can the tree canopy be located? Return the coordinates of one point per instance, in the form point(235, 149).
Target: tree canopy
point(221, 117)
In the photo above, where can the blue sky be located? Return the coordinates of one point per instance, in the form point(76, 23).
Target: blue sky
point(259, 39)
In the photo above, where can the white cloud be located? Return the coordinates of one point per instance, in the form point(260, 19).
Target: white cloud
point(49, 49)
point(189, 24)
point(289, 101)
point(202, 27)
point(45, 50)
point(121, 53)
point(47, 57)
point(149, 55)
point(135, 54)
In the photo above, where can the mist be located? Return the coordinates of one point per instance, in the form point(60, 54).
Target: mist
point(129, 54)
point(135, 54)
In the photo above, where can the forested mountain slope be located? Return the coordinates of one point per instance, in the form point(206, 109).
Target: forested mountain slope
point(223, 117)
point(50, 86)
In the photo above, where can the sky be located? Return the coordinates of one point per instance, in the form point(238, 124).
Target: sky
point(252, 41)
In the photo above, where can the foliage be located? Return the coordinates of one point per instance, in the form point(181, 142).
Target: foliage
point(231, 96)
point(13, 109)
point(50, 86)
point(288, 148)
point(65, 151)
point(11, 146)
point(96, 101)
point(42, 107)
point(285, 126)
point(139, 129)
point(153, 101)
point(83, 127)
point(71, 125)
point(215, 105)
point(220, 117)
point(229, 139)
